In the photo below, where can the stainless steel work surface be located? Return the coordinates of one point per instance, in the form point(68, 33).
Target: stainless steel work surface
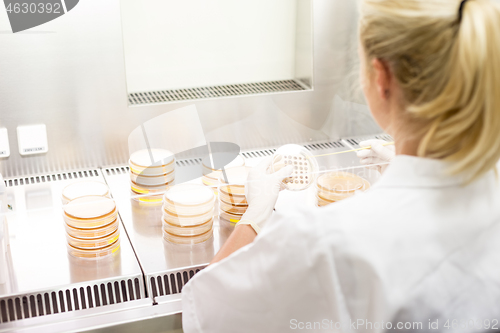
point(38, 260)
point(143, 221)
point(143, 224)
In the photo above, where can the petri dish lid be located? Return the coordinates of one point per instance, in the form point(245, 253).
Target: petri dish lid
point(187, 240)
point(161, 157)
point(239, 161)
point(84, 188)
point(341, 182)
point(92, 232)
point(235, 176)
point(189, 195)
point(94, 253)
point(305, 166)
point(233, 209)
point(89, 207)
point(152, 180)
point(94, 243)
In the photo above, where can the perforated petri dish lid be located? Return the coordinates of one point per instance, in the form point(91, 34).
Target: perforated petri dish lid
point(152, 162)
point(89, 207)
point(337, 186)
point(84, 188)
point(189, 195)
point(304, 164)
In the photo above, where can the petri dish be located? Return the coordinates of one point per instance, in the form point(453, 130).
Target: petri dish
point(140, 162)
point(147, 200)
point(234, 209)
point(305, 166)
point(93, 243)
point(187, 240)
point(335, 186)
point(227, 197)
point(94, 253)
point(235, 176)
point(93, 232)
point(147, 189)
point(90, 212)
point(189, 199)
point(234, 218)
point(187, 220)
point(239, 161)
point(322, 202)
point(152, 180)
point(188, 230)
point(83, 189)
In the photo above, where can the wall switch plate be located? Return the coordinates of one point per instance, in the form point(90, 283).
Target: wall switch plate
point(4, 143)
point(32, 139)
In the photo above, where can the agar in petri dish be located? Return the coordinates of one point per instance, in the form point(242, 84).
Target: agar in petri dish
point(236, 177)
point(147, 189)
point(184, 196)
point(239, 161)
point(188, 230)
point(89, 207)
point(152, 180)
point(187, 240)
point(233, 209)
point(83, 189)
point(226, 194)
point(304, 164)
point(93, 243)
point(187, 220)
point(140, 162)
point(93, 232)
point(336, 186)
point(233, 218)
point(94, 253)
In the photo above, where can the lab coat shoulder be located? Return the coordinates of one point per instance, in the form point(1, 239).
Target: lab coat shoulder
point(265, 285)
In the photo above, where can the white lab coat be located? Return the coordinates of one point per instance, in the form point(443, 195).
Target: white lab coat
point(417, 247)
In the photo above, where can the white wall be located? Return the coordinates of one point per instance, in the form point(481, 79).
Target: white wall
point(194, 43)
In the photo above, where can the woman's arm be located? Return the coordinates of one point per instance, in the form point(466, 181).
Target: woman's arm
point(241, 236)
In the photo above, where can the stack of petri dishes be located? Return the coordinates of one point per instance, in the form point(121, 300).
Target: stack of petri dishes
point(84, 188)
point(152, 171)
point(91, 227)
point(337, 186)
point(188, 214)
point(211, 176)
point(232, 200)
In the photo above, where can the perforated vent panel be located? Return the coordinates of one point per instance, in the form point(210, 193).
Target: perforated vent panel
point(164, 96)
point(64, 300)
point(170, 283)
point(51, 178)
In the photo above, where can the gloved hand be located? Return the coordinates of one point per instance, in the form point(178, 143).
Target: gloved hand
point(261, 191)
point(376, 154)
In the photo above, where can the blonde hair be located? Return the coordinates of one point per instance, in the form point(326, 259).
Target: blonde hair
point(449, 72)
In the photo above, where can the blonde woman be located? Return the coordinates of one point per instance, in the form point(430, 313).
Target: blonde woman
point(420, 251)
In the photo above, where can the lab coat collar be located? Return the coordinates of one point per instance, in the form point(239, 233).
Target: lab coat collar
point(411, 171)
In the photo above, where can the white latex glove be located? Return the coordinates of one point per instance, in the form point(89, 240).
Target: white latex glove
point(378, 154)
point(261, 191)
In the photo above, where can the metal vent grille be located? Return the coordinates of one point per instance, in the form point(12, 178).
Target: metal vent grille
point(188, 162)
point(170, 283)
point(163, 96)
point(51, 178)
point(355, 141)
point(324, 145)
point(65, 300)
point(116, 170)
point(259, 153)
